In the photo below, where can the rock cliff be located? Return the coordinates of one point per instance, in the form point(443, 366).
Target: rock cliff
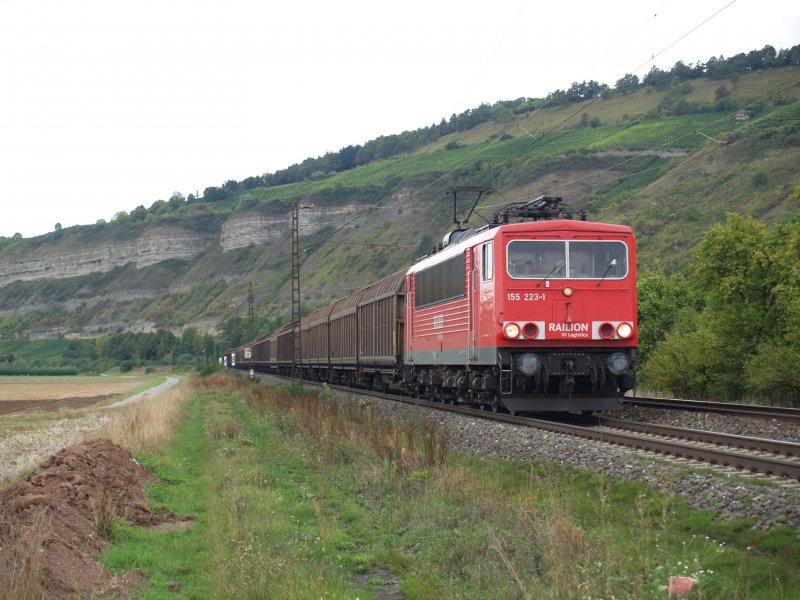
point(242, 230)
point(59, 261)
point(155, 245)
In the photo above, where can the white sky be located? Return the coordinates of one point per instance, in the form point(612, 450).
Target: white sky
point(109, 104)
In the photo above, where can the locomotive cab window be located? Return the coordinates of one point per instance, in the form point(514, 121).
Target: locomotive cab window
point(597, 259)
point(575, 259)
point(535, 259)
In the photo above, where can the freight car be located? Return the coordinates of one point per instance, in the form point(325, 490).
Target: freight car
point(533, 312)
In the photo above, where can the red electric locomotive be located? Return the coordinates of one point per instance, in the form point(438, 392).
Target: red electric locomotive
point(533, 312)
point(534, 315)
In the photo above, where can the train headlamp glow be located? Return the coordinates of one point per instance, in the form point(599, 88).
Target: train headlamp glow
point(618, 363)
point(511, 331)
point(624, 330)
point(567, 291)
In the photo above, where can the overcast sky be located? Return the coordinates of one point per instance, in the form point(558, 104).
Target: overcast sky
point(106, 105)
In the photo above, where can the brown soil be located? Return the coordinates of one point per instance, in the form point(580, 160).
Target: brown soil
point(49, 522)
point(36, 388)
point(12, 406)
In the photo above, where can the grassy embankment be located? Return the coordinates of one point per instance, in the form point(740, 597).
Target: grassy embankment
point(297, 498)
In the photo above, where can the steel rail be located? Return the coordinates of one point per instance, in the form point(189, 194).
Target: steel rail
point(781, 413)
point(741, 442)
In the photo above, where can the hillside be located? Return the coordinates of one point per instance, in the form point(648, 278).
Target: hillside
point(669, 162)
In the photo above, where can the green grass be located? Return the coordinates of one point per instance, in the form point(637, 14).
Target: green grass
point(183, 556)
point(299, 499)
point(669, 132)
point(42, 351)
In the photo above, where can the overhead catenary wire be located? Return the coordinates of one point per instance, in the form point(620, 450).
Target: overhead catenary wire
point(685, 35)
point(536, 141)
point(580, 110)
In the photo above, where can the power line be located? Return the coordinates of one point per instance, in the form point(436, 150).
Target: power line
point(536, 141)
point(685, 35)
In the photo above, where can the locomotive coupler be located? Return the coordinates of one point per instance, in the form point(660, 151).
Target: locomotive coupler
point(569, 377)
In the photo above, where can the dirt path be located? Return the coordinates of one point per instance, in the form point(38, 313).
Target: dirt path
point(170, 381)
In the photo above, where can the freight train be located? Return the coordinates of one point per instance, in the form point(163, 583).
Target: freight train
point(534, 312)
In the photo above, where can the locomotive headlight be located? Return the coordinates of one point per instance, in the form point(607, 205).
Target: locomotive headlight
point(618, 363)
point(528, 364)
point(624, 330)
point(511, 331)
point(567, 291)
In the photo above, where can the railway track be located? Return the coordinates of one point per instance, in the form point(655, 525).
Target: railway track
point(753, 455)
point(780, 413)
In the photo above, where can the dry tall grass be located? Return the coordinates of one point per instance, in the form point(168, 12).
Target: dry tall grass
point(20, 555)
point(145, 425)
point(337, 428)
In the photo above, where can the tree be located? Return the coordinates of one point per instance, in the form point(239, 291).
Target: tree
point(17, 236)
point(233, 331)
point(745, 337)
point(682, 71)
point(657, 78)
point(215, 194)
point(627, 84)
point(665, 302)
point(191, 342)
point(58, 227)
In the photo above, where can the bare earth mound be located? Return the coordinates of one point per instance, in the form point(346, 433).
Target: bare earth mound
point(50, 522)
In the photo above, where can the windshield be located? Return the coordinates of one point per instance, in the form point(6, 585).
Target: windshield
point(575, 259)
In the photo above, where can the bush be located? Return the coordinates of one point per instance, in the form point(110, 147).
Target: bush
point(209, 369)
point(772, 373)
point(37, 371)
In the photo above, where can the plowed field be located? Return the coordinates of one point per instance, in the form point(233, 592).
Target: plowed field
point(19, 394)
